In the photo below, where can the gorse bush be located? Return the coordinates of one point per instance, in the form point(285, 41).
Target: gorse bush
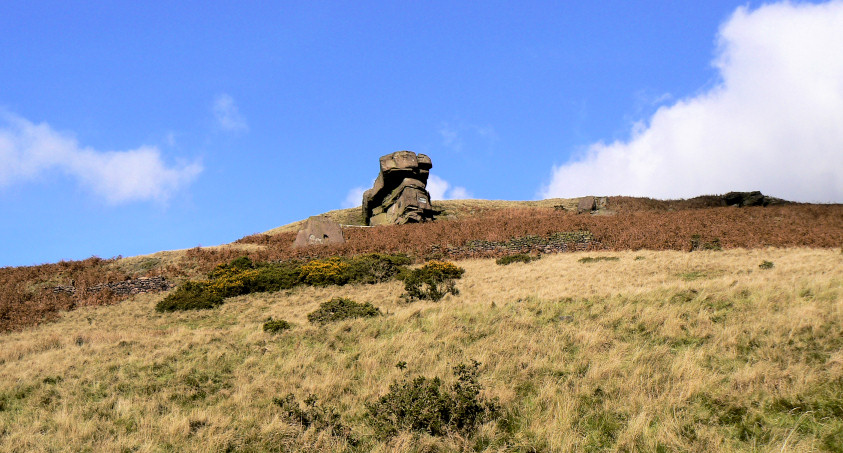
point(244, 276)
point(517, 258)
point(276, 325)
point(323, 272)
point(340, 308)
point(432, 281)
point(427, 405)
point(190, 296)
point(371, 268)
point(376, 267)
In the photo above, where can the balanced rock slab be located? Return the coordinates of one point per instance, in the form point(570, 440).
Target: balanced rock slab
point(319, 230)
point(399, 194)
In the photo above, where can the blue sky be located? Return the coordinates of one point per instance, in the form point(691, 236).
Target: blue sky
point(132, 127)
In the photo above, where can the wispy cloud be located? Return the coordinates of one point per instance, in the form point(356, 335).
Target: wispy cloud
point(354, 198)
point(228, 115)
point(443, 190)
point(28, 150)
point(773, 123)
point(455, 136)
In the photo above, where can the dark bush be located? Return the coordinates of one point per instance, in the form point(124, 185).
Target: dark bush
point(431, 281)
point(242, 276)
point(517, 258)
point(190, 296)
point(276, 325)
point(766, 264)
point(376, 267)
point(426, 405)
point(340, 308)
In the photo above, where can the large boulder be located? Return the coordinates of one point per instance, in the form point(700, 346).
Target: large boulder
point(319, 230)
point(754, 198)
point(399, 194)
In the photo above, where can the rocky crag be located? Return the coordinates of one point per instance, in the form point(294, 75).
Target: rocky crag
point(399, 194)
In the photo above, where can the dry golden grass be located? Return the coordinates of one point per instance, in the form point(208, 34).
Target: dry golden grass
point(657, 351)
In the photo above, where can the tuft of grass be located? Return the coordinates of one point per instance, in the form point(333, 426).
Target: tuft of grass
point(340, 308)
point(314, 415)
point(595, 259)
point(766, 265)
point(276, 325)
point(516, 258)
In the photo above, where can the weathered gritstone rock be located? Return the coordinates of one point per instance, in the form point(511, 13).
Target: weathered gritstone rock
point(319, 230)
point(128, 287)
point(399, 194)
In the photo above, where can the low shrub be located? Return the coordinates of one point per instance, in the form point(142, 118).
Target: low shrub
point(426, 405)
point(243, 276)
point(190, 296)
point(323, 272)
point(594, 259)
point(276, 325)
point(340, 308)
point(766, 264)
point(315, 415)
point(376, 267)
point(517, 258)
point(432, 281)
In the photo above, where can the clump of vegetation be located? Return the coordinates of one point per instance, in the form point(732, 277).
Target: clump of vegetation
point(340, 308)
point(276, 325)
point(517, 258)
point(428, 406)
point(376, 267)
point(324, 272)
point(766, 265)
point(243, 276)
point(697, 243)
point(594, 259)
point(432, 281)
point(190, 296)
point(315, 415)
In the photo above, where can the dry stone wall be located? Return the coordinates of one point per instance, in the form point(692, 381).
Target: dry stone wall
point(127, 287)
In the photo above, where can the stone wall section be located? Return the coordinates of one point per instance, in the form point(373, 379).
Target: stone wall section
point(125, 288)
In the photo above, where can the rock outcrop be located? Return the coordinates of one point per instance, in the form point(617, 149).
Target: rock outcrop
point(755, 198)
point(399, 195)
point(319, 230)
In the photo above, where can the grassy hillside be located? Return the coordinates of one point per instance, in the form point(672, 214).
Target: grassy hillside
point(654, 351)
point(466, 229)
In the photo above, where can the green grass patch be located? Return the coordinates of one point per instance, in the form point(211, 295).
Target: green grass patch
point(595, 259)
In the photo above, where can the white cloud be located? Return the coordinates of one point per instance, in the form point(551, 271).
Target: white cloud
point(441, 190)
point(228, 116)
point(354, 199)
point(774, 123)
point(28, 150)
